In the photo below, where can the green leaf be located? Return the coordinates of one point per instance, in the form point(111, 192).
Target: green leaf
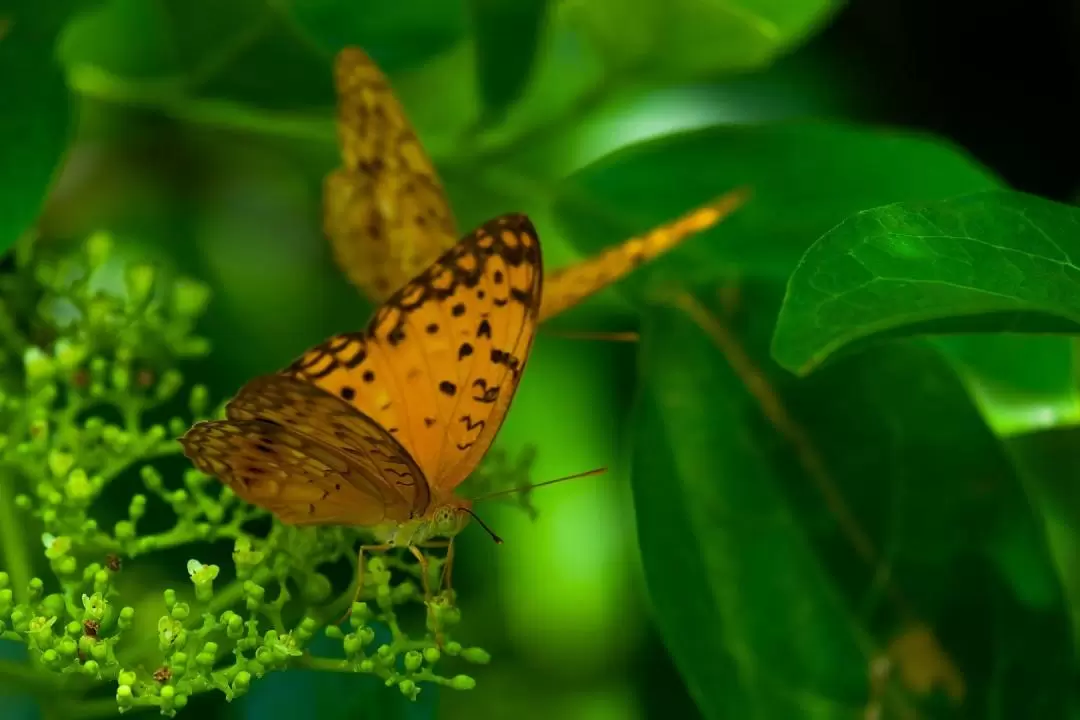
point(669, 39)
point(792, 530)
point(996, 261)
point(507, 34)
point(1049, 463)
point(35, 122)
point(745, 608)
point(398, 35)
point(805, 179)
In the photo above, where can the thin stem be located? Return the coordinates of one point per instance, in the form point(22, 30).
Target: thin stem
point(12, 537)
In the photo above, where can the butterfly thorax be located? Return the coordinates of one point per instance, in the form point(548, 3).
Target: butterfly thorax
point(442, 520)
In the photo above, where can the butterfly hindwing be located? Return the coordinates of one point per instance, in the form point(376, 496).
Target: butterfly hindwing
point(439, 363)
point(301, 480)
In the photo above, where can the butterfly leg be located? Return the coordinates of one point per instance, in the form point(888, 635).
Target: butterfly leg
point(360, 576)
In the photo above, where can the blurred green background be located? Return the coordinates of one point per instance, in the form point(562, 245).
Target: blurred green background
point(912, 485)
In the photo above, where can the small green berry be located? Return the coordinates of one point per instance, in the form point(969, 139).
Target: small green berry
point(476, 655)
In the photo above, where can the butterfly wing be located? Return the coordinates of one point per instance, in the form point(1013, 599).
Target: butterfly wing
point(385, 211)
point(308, 457)
point(441, 359)
point(567, 287)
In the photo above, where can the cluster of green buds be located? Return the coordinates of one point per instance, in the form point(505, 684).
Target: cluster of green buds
point(76, 387)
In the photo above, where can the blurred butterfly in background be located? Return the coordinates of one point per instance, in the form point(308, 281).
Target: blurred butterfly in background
point(387, 215)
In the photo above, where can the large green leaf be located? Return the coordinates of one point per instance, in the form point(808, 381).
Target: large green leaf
point(805, 179)
point(995, 261)
point(790, 527)
point(669, 39)
point(398, 35)
point(36, 116)
point(506, 35)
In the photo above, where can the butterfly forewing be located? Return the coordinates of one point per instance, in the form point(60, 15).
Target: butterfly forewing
point(385, 211)
point(441, 359)
point(301, 480)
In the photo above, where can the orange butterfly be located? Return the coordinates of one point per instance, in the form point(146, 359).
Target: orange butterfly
point(377, 428)
point(387, 215)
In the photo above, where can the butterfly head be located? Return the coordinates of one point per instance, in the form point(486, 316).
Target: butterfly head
point(449, 517)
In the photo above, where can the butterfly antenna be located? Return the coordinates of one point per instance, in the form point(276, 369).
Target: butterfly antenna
point(498, 540)
point(575, 476)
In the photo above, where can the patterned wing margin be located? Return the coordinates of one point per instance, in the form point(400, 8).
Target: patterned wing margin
point(567, 287)
point(301, 480)
point(394, 478)
point(439, 363)
point(385, 211)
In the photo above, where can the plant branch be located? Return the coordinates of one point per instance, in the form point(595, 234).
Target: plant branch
point(13, 539)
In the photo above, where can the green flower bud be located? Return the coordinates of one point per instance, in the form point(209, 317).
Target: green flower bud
point(352, 645)
point(67, 647)
point(151, 478)
point(170, 598)
point(74, 629)
point(452, 648)
point(125, 699)
point(120, 377)
point(126, 618)
point(200, 398)
point(476, 655)
point(60, 463)
point(39, 366)
point(189, 297)
point(367, 666)
point(317, 588)
point(385, 652)
point(91, 668)
point(94, 605)
point(432, 655)
point(413, 661)
point(360, 613)
point(68, 355)
point(55, 547)
point(140, 283)
point(126, 677)
point(170, 382)
point(334, 632)
point(409, 689)
point(5, 580)
point(50, 657)
point(462, 682)
point(179, 662)
point(36, 588)
point(98, 248)
point(53, 605)
point(180, 611)
point(124, 530)
point(366, 635)
point(235, 627)
point(99, 651)
point(242, 681)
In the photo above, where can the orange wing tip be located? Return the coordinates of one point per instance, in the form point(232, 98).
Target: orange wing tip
point(713, 212)
point(354, 68)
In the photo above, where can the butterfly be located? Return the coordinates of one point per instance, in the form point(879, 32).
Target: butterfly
point(377, 428)
point(386, 213)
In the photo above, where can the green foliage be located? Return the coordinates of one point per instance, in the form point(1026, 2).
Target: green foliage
point(76, 408)
point(994, 261)
point(34, 124)
point(833, 524)
point(504, 60)
point(891, 532)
